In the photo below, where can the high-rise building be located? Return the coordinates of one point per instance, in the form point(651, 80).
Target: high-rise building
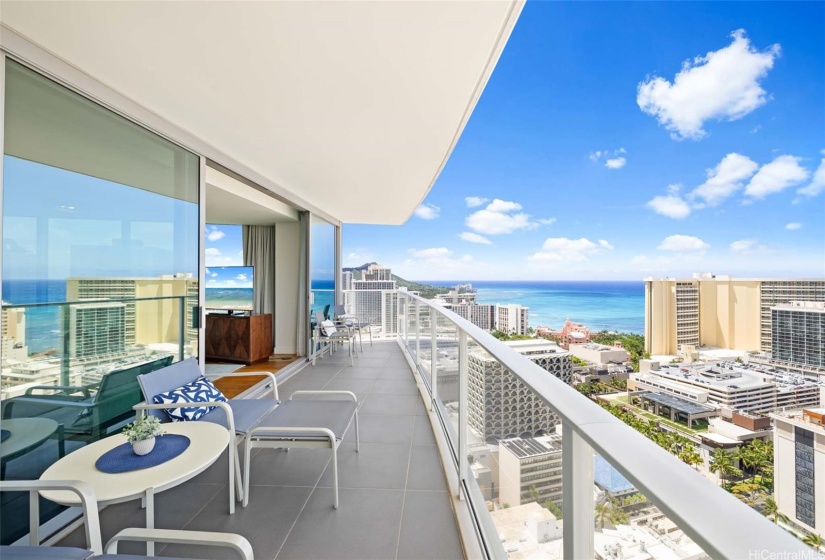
point(512, 318)
point(150, 321)
point(483, 315)
point(799, 467)
point(373, 301)
point(96, 329)
point(530, 470)
point(500, 405)
point(717, 311)
point(376, 272)
point(13, 334)
point(346, 280)
point(798, 332)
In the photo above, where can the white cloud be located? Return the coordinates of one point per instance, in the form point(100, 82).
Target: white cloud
point(241, 277)
point(776, 176)
point(725, 179)
point(723, 84)
point(748, 247)
point(682, 243)
point(615, 163)
point(562, 249)
point(671, 205)
point(212, 252)
point(498, 205)
point(742, 245)
point(214, 234)
point(546, 221)
point(475, 238)
point(793, 226)
point(817, 183)
point(427, 211)
point(431, 253)
point(498, 218)
point(473, 201)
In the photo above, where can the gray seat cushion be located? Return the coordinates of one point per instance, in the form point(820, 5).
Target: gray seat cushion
point(44, 553)
point(246, 412)
point(166, 379)
point(334, 415)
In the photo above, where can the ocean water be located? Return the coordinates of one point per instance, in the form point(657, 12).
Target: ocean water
point(229, 297)
point(613, 306)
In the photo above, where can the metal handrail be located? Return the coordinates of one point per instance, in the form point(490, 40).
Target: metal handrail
point(718, 522)
point(6, 305)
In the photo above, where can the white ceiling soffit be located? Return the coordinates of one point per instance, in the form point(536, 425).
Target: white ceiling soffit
point(228, 201)
point(353, 107)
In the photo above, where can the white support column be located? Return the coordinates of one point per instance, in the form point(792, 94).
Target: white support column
point(577, 493)
point(433, 357)
point(417, 332)
point(463, 390)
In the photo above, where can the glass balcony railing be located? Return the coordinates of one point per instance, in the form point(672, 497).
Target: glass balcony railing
point(69, 378)
point(547, 473)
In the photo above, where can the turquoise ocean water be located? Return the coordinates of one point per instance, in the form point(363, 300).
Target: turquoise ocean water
point(614, 306)
point(599, 305)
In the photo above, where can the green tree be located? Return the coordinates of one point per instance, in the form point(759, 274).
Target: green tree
point(551, 506)
point(720, 462)
point(748, 492)
point(813, 540)
point(770, 509)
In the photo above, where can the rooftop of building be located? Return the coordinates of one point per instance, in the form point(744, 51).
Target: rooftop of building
point(678, 403)
point(798, 418)
point(731, 376)
point(524, 448)
point(806, 306)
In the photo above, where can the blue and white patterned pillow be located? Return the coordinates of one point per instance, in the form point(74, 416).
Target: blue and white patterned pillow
point(199, 391)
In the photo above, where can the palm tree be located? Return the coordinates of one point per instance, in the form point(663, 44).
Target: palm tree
point(813, 540)
point(602, 513)
point(770, 509)
point(720, 462)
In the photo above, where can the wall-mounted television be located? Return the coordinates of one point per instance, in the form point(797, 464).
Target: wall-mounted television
point(229, 288)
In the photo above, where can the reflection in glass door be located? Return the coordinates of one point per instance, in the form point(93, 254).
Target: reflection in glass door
point(99, 273)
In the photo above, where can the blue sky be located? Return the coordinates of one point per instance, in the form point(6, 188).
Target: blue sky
point(621, 140)
point(229, 277)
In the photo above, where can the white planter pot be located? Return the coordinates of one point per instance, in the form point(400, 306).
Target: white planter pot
point(143, 446)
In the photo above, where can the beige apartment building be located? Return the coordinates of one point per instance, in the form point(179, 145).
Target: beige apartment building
point(145, 322)
point(718, 311)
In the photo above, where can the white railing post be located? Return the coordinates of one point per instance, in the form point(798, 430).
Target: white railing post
point(433, 357)
point(577, 495)
point(417, 336)
point(406, 325)
point(463, 390)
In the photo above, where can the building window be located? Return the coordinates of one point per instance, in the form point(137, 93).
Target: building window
point(804, 456)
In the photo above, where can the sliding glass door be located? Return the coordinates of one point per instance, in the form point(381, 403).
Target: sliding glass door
point(100, 259)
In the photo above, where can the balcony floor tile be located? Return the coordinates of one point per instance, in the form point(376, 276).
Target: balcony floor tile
point(393, 498)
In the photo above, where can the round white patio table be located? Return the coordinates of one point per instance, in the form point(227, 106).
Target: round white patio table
point(26, 433)
point(207, 442)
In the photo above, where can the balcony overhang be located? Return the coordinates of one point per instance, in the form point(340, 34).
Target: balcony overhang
point(348, 108)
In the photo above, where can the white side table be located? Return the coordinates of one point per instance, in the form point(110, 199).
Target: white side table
point(207, 442)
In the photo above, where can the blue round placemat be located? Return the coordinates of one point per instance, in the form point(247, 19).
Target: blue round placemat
point(122, 459)
point(4, 435)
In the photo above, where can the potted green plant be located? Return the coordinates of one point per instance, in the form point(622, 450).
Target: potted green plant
point(141, 434)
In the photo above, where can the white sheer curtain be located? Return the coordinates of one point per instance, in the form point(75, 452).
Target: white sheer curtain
point(259, 251)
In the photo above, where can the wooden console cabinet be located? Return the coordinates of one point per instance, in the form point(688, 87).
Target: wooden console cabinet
point(236, 338)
